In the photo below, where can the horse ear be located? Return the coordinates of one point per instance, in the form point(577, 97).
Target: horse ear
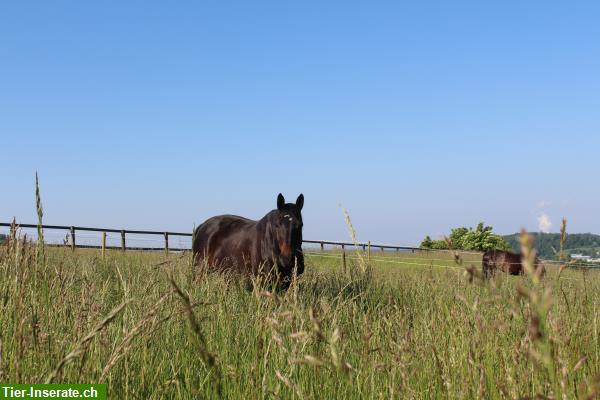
point(300, 201)
point(280, 201)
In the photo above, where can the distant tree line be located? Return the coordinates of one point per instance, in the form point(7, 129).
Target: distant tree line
point(548, 244)
point(480, 238)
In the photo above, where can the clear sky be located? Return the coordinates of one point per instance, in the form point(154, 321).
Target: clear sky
point(415, 116)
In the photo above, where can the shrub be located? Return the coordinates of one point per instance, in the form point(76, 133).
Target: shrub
point(479, 239)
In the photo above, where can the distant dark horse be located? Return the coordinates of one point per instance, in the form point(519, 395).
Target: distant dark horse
point(507, 262)
point(271, 246)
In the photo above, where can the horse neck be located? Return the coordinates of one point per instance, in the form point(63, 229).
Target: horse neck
point(263, 225)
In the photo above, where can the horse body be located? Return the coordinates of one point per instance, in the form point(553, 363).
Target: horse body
point(507, 262)
point(271, 245)
point(231, 242)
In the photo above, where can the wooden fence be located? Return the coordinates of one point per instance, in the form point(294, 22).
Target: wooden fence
point(366, 246)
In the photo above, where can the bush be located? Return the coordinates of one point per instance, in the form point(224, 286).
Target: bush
point(426, 243)
point(479, 239)
point(429, 244)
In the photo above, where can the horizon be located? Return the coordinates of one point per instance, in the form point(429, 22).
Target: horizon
point(416, 118)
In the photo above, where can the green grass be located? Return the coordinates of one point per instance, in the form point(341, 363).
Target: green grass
point(416, 328)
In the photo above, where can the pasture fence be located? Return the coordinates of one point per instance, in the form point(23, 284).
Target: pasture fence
point(72, 234)
point(120, 239)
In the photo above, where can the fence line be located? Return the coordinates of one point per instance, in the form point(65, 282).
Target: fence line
point(134, 248)
point(366, 246)
point(423, 264)
point(71, 230)
point(166, 234)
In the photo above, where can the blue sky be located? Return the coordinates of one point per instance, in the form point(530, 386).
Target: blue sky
point(416, 117)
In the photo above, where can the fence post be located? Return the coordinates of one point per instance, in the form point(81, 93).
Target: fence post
point(369, 251)
point(123, 246)
point(344, 258)
point(72, 238)
point(322, 246)
point(166, 243)
point(192, 259)
point(103, 245)
point(382, 249)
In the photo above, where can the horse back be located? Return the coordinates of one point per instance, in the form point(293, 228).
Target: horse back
point(226, 239)
point(501, 260)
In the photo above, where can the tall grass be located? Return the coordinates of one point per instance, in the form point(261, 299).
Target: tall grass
point(142, 324)
point(150, 326)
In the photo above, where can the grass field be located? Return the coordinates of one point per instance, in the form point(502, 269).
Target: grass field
point(406, 326)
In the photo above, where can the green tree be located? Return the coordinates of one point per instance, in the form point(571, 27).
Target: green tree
point(439, 245)
point(482, 238)
point(457, 237)
point(479, 239)
point(426, 243)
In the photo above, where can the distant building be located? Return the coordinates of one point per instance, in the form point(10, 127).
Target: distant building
point(587, 259)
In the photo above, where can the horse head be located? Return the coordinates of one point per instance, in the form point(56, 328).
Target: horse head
point(286, 224)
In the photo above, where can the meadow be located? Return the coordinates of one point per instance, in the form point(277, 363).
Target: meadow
point(406, 325)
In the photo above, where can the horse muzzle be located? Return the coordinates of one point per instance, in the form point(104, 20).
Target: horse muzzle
point(288, 264)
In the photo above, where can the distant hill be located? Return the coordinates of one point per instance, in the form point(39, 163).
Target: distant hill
point(548, 244)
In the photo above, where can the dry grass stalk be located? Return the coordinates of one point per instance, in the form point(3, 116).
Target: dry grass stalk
point(207, 357)
point(563, 238)
point(289, 384)
point(365, 267)
point(561, 254)
point(83, 343)
point(309, 360)
point(125, 344)
point(543, 347)
point(266, 354)
point(41, 252)
point(579, 364)
point(22, 261)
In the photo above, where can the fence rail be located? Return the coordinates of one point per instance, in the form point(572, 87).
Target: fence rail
point(366, 246)
point(166, 234)
point(108, 230)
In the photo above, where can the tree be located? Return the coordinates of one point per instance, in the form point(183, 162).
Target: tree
point(479, 239)
point(457, 236)
point(429, 244)
point(426, 243)
point(440, 245)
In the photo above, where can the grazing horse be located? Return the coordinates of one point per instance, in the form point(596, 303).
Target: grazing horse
point(271, 246)
point(507, 262)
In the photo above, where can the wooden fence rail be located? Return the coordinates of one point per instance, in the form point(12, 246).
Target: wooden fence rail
point(123, 232)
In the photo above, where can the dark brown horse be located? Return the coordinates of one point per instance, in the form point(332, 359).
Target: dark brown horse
point(271, 246)
point(507, 262)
